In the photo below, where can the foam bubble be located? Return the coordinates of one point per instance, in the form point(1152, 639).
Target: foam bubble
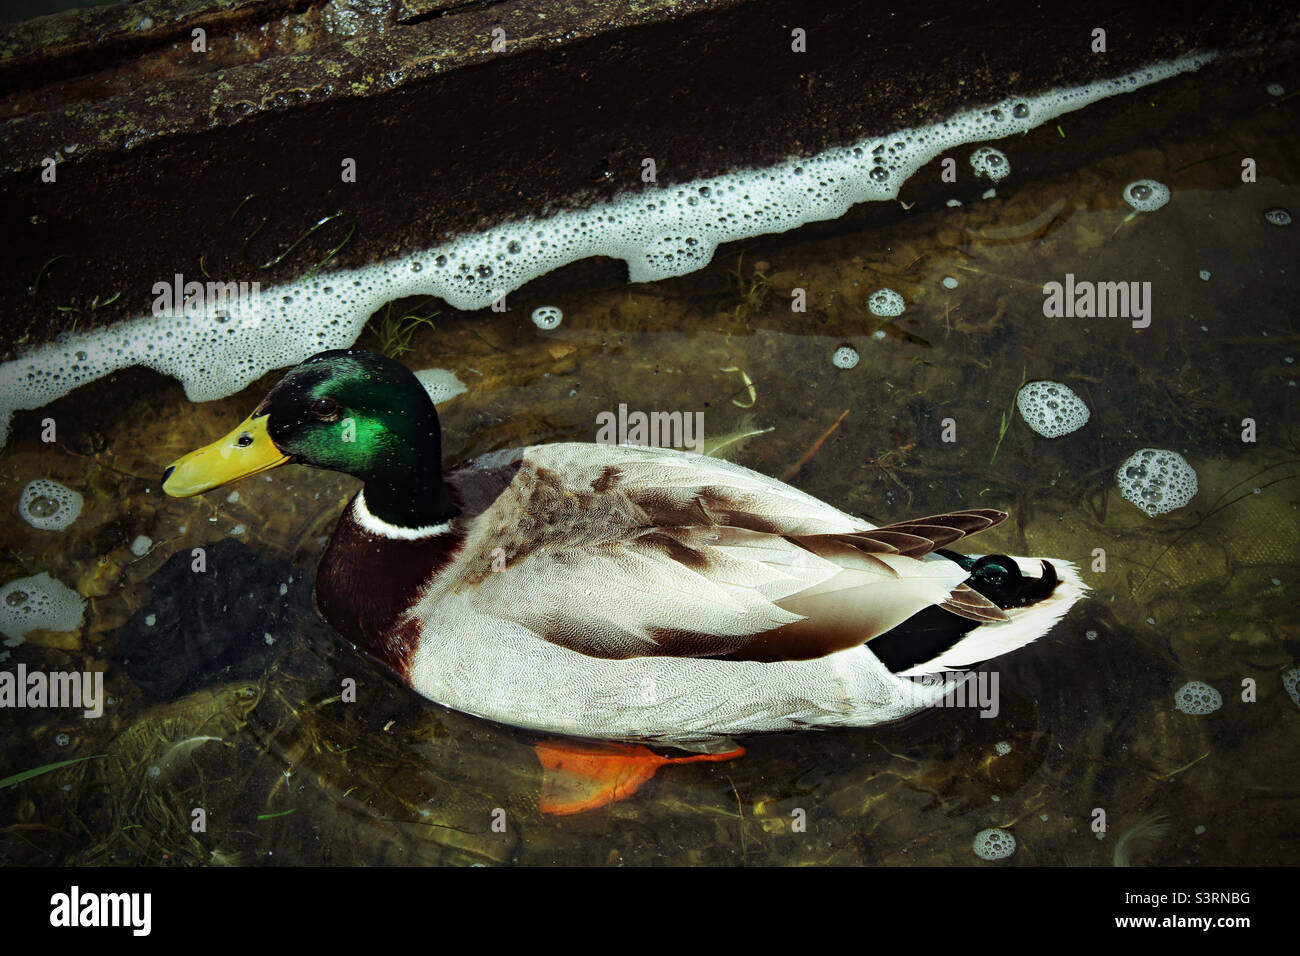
point(1197, 698)
point(441, 384)
point(660, 232)
point(1051, 409)
point(38, 602)
point(1146, 195)
point(1157, 481)
point(141, 545)
point(547, 317)
point(886, 303)
point(48, 505)
point(1291, 683)
point(1277, 216)
point(994, 844)
point(846, 356)
point(990, 163)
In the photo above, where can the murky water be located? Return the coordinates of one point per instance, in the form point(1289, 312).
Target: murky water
point(226, 699)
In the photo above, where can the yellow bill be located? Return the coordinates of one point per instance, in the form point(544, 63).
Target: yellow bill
point(245, 451)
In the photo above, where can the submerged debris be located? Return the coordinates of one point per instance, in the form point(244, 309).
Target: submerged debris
point(1140, 838)
point(210, 623)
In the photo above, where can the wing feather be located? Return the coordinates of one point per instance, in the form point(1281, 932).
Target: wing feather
point(620, 552)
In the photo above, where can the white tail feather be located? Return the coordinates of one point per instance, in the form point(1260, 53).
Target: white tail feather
point(1024, 626)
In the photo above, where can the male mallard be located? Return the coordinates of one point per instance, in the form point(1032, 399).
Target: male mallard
point(624, 592)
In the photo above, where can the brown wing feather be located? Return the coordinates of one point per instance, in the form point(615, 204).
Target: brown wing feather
point(549, 516)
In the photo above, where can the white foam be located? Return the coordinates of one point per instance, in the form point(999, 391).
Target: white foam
point(994, 844)
point(1156, 480)
point(990, 163)
point(441, 384)
point(846, 356)
point(547, 317)
point(1051, 409)
point(659, 232)
point(1291, 682)
point(48, 505)
point(27, 604)
point(886, 303)
point(1146, 195)
point(1197, 698)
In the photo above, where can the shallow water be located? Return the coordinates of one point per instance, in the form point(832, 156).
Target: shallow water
point(229, 701)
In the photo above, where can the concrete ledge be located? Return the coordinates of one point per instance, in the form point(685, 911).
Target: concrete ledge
point(218, 162)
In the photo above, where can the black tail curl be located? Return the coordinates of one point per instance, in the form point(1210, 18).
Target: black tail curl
point(1000, 580)
point(928, 633)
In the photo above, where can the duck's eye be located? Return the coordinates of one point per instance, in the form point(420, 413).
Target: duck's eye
point(325, 408)
point(244, 440)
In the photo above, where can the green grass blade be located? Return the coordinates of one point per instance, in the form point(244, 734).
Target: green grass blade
point(272, 816)
point(38, 771)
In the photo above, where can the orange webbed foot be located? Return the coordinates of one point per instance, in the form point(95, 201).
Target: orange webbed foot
point(582, 775)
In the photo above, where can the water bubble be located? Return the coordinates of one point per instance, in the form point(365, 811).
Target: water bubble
point(1277, 216)
point(1157, 481)
point(949, 282)
point(885, 303)
point(1275, 89)
point(42, 506)
point(1146, 195)
point(990, 163)
point(1197, 698)
point(513, 247)
point(62, 740)
point(547, 317)
point(48, 505)
point(1051, 409)
point(1020, 110)
point(1205, 275)
point(1291, 683)
point(417, 266)
point(994, 844)
point(846, 356)
point(879, 174)
point(16, 598)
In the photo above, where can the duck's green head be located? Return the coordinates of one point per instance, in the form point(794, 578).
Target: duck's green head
point(354, 412)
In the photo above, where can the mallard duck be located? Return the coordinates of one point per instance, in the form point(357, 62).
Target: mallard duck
point(625, 593)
